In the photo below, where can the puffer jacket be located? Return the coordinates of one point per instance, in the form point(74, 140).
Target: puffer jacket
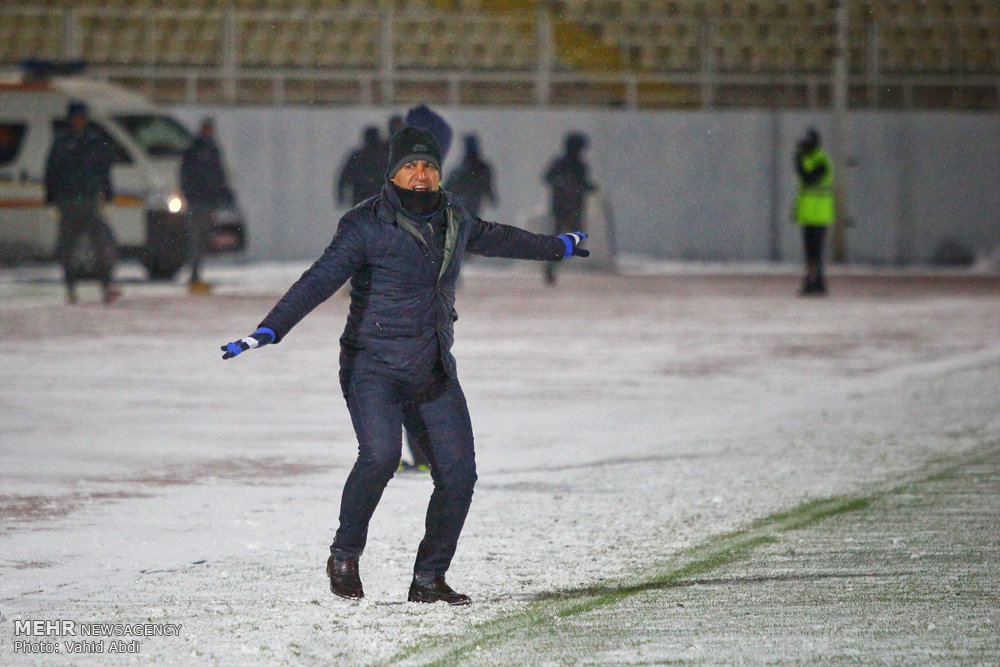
point(78, 167)
point(203, 176)
point(402, 313)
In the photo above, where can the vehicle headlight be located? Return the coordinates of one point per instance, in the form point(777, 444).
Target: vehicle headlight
point(175, 204)
point(172, 202)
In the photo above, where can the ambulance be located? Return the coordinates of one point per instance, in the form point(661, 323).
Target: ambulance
point(146, 215)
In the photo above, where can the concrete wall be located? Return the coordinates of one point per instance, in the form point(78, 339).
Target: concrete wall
point(713, 185)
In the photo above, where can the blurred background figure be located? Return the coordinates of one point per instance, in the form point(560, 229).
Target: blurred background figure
point(204, 184)
point(78, 183)
point(567, 176)
point(396, 123)
point(472, 180)
point(814, 207)
point(363, 172)
point(426, 118)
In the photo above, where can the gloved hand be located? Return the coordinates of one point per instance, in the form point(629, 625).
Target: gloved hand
point(258, 338)
point(572, 242)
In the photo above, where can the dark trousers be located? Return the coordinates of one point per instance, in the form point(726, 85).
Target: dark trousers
point(80, 220)
point(813, 240)
point(416, 437)
point(377, 405)
point(200, 222)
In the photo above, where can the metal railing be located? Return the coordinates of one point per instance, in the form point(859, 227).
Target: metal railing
point(359, 57)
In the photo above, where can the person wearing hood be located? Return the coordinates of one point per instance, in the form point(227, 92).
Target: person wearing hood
point(402, 252)
point(424, 117)
point(568, 179)
point(206, 190)
point(361, 175)
point(472, 181)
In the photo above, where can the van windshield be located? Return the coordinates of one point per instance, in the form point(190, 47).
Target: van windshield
point(159, 136)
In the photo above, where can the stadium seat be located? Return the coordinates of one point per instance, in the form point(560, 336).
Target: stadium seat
point(656, 37)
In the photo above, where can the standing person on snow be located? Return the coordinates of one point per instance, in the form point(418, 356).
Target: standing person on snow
point(414, 429)
point(78, 183)
point(361, 175)
point(815, 207)
point(402, 252)
point(567, 176)
point(425, 118)
point(472, 180)
point(206, 189)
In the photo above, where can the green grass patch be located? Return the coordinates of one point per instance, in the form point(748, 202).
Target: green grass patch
point(544, 612)
point(540, 620)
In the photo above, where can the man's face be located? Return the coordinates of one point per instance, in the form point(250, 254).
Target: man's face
point(418, 175)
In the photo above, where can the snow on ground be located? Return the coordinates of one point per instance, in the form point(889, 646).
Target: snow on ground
point(619, 420)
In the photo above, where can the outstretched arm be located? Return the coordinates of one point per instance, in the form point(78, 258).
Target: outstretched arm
point(339, 261)
point(493, 239)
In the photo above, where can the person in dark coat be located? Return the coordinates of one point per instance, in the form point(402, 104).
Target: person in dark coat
point(424, 117)
point(78, 182)
point(568, 179)
point(204, 184)
point(402, 252)
point(362, 174)
point(472, 180)
point(415, 431)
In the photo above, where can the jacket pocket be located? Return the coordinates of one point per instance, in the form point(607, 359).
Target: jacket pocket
point(390, 329)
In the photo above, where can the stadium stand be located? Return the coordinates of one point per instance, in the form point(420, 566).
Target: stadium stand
point(563, 50)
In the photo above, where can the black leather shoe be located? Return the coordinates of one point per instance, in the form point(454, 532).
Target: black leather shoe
point(344, 578)
point(436, 591)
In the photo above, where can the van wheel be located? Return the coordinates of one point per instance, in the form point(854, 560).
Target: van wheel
point(162, 270)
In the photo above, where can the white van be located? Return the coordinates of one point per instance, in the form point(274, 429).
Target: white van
point(147, 212)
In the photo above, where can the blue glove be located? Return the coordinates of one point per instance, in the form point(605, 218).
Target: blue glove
point(572, 242)
point(258, 338)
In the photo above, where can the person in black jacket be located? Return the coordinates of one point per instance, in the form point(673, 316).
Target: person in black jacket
point(204, 184)
point(361, 176)
point(568, 179)
point(472, 180)
point(402, 252)
point(78, 182)
point(414, 429)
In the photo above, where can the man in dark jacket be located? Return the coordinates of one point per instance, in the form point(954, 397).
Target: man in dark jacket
point(424, 117)
point(568, 179)
point(402, 252)
point(78, 182)
point(472, 180)
point(361, 176)
point(203, 182)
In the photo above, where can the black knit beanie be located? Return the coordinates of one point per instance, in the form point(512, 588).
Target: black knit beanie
point(412, 143)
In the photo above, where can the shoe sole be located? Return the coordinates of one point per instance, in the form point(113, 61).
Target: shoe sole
point(457, 603)
point(345, 595)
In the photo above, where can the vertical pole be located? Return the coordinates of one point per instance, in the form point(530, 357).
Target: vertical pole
point(872, 39)
point(838, 151)
point(545, 49)
point(71, 31)
point(230, 55)
point(774, 231)
point(708, 79)
point(387, 70)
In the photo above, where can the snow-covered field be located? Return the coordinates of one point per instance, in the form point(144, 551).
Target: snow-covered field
point(619, 420)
